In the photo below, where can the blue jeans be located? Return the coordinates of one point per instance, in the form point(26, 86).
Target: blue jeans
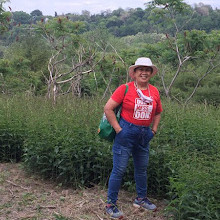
point(131, 140)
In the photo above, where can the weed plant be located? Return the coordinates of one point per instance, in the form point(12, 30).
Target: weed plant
point(12, 129)
point(60, 142)
point(191, 141)
point(194, 190)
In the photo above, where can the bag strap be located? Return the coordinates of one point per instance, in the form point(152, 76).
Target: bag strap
point(126, 90)
point(118, 109)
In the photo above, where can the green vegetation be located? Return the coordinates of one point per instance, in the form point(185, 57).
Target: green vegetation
point(57, 72)
point(89, 54)
point(61, 142)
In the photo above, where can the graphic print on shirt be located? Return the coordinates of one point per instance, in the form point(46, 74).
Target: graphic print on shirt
point(142, 110)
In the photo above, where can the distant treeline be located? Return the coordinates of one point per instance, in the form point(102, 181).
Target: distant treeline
point(123, 22)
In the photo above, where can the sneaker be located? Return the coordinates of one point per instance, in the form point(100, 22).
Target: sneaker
point(145, 203)
point(113, 211)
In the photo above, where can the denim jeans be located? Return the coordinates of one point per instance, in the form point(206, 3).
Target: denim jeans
point(131, 140)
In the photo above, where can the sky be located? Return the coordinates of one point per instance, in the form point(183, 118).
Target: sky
point(49, 7)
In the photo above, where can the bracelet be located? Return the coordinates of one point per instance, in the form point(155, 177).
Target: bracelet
point(153, 131)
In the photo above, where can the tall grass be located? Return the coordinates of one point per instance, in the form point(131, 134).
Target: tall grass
point(192, 140)
point(12, 129)
point(61, 142)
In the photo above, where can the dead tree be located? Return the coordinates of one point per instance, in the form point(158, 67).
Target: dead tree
point(66, 77)
point(73, 57)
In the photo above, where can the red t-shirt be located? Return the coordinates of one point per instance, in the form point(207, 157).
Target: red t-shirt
point(134, 110)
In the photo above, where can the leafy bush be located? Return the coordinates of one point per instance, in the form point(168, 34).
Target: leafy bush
point(192, 160)
point(194, 189)
point(209, 94)
point(12, 130)
point(61, 142)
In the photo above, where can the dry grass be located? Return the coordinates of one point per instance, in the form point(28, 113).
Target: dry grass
point(24, 196)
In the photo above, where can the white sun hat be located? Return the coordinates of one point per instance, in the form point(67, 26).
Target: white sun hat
point(142, 61)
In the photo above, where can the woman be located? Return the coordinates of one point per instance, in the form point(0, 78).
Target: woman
point(141, 107)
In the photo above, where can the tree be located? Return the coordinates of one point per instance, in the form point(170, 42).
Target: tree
point(72, 57)
point(24, 63)
point(203, 9)
point(36, 13)
point(113, 21)
point(86, 15)
point(196, 45)
point(21, 17)
point(209, 50)
point(5, 17)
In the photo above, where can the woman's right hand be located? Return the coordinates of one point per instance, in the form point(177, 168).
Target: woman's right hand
point(110, 114)
point(118, 130)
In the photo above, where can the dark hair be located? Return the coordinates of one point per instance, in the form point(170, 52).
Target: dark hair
point(145, 66)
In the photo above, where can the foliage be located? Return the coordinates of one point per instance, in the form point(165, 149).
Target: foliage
point(128, 22)
point(5, 17)
point(186, 47)
point(70, 59)
point(148, 32)
point(12, 130)
point(63, 148)
point(36, 13)
point(60, 26)
point(131, 21)
point(193, 189)
point(141, 39)
point(192, 160)
point(24, 64)
point(177, 5)
point(21, 17)
point(61, 142)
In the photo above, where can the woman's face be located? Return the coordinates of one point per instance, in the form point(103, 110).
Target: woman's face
point(142, 74)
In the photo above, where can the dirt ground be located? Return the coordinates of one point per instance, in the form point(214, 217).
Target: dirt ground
point(27, 197)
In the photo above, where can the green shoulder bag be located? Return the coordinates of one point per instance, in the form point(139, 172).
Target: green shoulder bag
point(105, 130)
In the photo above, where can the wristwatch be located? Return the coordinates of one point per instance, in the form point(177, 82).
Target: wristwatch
point(153, 131)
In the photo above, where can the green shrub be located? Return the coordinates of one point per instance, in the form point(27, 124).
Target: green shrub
point(61, 142)
point(194, 189)
point(208, 94)
point(12, 130)
point(191, 160)
point(196, 128)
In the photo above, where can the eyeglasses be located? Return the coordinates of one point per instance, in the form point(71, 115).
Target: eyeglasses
point(144, 69)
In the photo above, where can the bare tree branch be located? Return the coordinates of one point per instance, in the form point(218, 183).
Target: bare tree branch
point(127, 75)
point(107, 88)
point(208, 71)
